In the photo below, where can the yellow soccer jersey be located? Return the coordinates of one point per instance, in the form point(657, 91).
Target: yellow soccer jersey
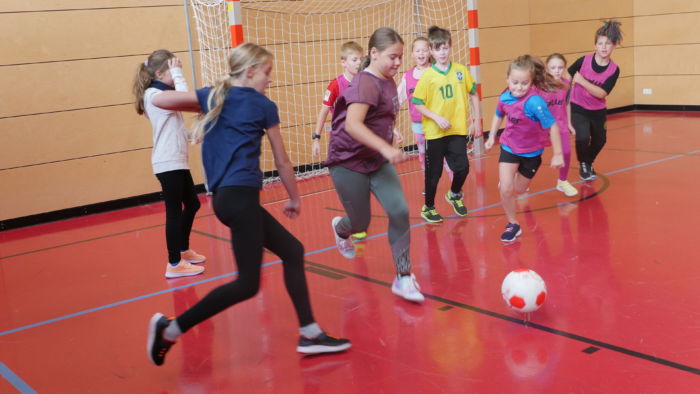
point(447, 94)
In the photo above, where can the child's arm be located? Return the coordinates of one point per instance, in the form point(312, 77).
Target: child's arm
point(441, 121)
point(285, 170)
point(555, 138)
point(572, 130)
point(476, 110)
point(593, 89)
point(320, 121)
point(401, 91)
point(355, 126)
point(176, 73)
point(495, 123)
point(177, 101)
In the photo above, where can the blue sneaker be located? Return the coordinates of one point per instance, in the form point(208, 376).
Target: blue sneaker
point(323, 343)
point(157, 346)
point(511, 233)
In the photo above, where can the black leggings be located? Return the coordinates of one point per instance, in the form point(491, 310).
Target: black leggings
point(252, 229)
point(453, 149)
point(591, 135)
point(178, 190)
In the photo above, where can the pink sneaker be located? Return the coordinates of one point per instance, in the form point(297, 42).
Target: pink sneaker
point(183, 268)
point(193, 257)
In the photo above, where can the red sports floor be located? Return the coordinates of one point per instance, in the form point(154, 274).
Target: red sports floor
point(622, 315)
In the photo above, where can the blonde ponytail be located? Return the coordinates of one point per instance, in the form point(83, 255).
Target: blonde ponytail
point(146, 74)
point(243, 57)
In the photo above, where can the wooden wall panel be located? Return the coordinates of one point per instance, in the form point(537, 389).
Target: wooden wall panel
point(668, 90)
point(668, 29)
point(652, 7)
point(85, 34)
point(555, 11)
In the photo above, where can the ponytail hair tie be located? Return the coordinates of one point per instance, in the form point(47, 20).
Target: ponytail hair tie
point(145, 63)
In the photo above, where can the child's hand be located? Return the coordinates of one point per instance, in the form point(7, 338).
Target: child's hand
point(557, 161)
point(315, 148)
point(578, 78)
point(489, 143)
point(442, 122)
point(398, 138)
point(572, 130)
point(174, 62)
point(476, 129)
point(393, 155)
point(292, 208)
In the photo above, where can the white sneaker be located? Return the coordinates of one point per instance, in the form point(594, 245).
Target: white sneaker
point(407, 287)
point(566, 188)
point(345, 245)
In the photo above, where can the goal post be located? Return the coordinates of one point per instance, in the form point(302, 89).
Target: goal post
point(305, 38)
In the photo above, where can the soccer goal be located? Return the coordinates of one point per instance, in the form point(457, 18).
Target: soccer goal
point(305, 38)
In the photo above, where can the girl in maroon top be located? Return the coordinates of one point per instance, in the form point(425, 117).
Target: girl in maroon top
point(593, 78)
point(361, 157)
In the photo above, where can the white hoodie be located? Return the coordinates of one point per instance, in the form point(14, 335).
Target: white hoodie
point(170, 138)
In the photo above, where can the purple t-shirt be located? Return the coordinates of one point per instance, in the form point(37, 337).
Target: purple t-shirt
point(383, 100)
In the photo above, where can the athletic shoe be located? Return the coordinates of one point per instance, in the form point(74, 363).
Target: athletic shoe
point(345, 246)
point(360, 236)
point(512, 232)
point(323, 343)
point(407, 287)
point(157, 346)
point(192, 257)
point(593, 173)
point(584, 171)
point(566, 188)
point(183, 268)
point(456, 201)
point(430, 214)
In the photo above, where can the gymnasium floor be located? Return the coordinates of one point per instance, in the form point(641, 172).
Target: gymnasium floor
point(619, 260)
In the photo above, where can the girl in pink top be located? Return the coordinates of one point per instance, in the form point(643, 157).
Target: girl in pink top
point(593, 78)
point(521, 142)
point(561, 110)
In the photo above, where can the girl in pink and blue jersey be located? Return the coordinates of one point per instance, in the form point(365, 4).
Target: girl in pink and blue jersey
point(521, 141)
point(593, 78)
point(558, 105)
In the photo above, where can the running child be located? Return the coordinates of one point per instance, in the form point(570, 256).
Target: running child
point(238, 114)
point(561, 110)
point(593, 78)
point(521, 141)
point(361, 157)
point(350, 59)
point(163, 72)
point(442, 96)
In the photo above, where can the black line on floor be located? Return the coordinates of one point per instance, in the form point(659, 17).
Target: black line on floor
point(590, 350)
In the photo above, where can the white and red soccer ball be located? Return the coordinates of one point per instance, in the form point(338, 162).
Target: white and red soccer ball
point(524, 290)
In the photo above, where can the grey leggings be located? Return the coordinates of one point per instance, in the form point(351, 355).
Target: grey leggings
point(353, 190)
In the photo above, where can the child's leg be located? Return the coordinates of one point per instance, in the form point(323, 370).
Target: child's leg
point(386, 187)
point(353, 191)
point(173, 185)
point(434, 156)
point(456, 157)
point(598, 136)
point(239, 209)
point(506, 177)
point(192, 205)
point(583, 136)
point(282, 243)
point(419, 136)
point(566, 152)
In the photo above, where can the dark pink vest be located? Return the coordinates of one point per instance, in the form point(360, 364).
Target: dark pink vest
point(522, 134)
point(579, 94)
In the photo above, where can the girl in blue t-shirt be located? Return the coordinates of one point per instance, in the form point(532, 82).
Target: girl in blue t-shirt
point(238, 114)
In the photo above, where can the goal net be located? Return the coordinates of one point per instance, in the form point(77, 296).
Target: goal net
point(305, 37)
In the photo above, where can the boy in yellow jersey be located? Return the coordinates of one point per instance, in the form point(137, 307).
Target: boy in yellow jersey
point(441, 96)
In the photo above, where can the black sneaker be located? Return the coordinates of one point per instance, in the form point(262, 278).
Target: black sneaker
point(584, 171)
point(456, 201)
point(511, 233)
point(157, 345)
point(323, 343)
point(430, 215)
point(593, 173)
